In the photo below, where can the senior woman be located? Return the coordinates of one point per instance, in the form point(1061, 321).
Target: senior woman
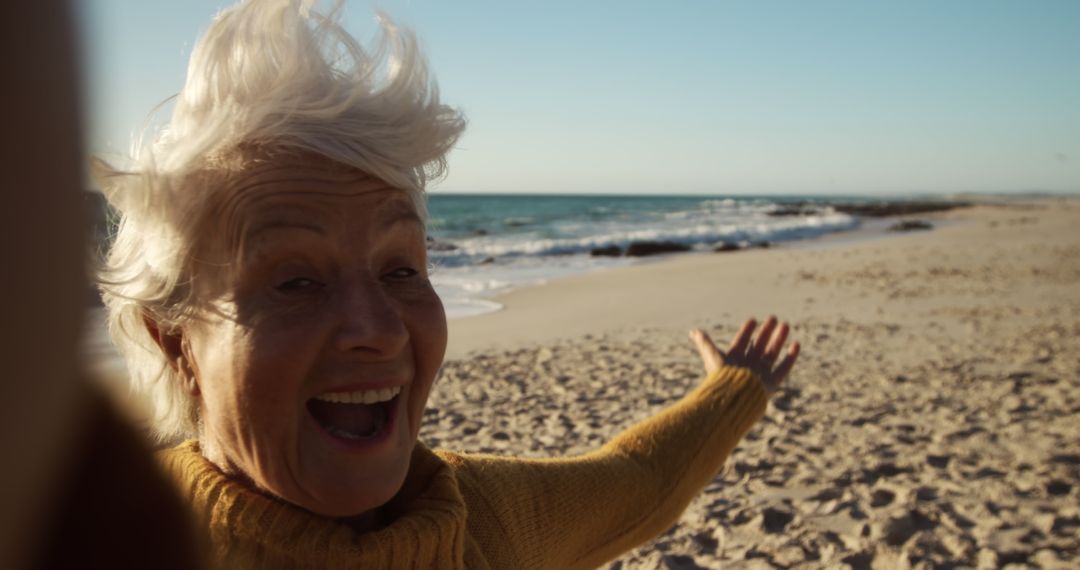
point(268, 288)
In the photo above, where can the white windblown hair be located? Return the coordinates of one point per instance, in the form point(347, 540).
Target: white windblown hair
point(268, 78)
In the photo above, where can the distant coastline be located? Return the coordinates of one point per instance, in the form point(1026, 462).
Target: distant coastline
point(482, 246)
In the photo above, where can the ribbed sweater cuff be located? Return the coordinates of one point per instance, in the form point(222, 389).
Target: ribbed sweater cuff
point(738, 392)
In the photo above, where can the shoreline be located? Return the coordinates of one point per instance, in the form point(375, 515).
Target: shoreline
point(873, 219)
point(518, 241)
point(476, 332)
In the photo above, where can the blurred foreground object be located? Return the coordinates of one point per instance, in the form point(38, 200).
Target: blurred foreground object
point(79, 487)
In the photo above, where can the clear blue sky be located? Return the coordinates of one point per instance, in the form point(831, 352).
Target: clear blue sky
point(858, 97)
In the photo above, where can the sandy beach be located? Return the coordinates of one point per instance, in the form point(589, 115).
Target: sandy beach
point(932, 420)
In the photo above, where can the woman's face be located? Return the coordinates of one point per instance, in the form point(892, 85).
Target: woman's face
point(323, 337)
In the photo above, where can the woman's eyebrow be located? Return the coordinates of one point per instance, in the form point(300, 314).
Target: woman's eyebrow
point(255, 236)
point(397, 214)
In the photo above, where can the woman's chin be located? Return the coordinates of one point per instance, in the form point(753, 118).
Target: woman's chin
point(346, 476)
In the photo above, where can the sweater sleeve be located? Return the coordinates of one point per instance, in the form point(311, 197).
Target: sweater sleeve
point(580, 512)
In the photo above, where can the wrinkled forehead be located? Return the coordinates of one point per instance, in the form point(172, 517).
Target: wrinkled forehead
point(274, 195)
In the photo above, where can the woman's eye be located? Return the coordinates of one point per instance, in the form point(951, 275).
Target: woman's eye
point(298, 285)
point(402, 273)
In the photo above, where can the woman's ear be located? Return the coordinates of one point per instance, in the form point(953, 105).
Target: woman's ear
point(177, 351)
point(187, 367)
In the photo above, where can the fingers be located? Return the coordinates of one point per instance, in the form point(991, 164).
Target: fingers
point(753, 354)
point(772, 351)
point(742, 338)
point(710, 355)
point(757, 352)
point(784, 368)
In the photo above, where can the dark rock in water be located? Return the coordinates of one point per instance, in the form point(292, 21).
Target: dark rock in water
point(643, 248)
point(884, 209)
point(487, 261)
point(726, 246)
point(435, 245)
point(608, 251)
point(480, 232)
point(799, 209)
point(761, 244)
point(910, 225)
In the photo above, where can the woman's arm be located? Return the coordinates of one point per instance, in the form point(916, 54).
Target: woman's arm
point(579, 512)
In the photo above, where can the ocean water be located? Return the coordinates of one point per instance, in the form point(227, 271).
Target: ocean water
point(485, 245)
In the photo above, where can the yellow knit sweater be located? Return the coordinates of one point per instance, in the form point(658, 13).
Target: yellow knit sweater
point(481, 511)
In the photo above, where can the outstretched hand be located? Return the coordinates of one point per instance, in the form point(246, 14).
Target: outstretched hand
point(759, 353)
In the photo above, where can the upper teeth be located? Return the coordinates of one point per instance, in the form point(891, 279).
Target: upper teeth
point(360, 396)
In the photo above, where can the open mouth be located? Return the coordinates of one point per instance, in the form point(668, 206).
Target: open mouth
point(355, 416)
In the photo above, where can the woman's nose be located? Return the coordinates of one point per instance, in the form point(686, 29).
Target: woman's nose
point(370, 321)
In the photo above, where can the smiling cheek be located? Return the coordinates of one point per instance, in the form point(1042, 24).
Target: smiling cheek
point(426, 321)
point(255, 415)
